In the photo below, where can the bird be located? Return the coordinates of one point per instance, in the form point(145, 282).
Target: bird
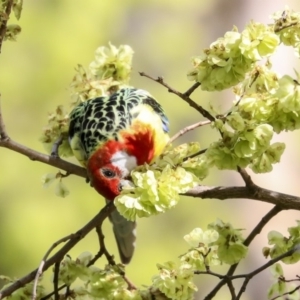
point(110, 136)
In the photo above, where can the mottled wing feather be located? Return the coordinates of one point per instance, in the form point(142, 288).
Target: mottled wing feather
point(100, 119)
point(159, 110)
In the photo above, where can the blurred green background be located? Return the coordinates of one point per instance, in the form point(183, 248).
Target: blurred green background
point(35, 74)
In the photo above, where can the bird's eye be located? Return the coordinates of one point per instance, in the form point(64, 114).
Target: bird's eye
point(108, 173)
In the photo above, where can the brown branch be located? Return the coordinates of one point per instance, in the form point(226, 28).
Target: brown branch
point(41, 266)
point(287, 293)
point(7, 142)
point(284, 201)
point(184, 96)
point(58, 256)
point(257, 229)
point(46, 159)
point(55, 280)
point(246, 177)
point(3, 134)
point(247, 277)
point(103, 250)
point(192, 89)
point(187, 129)
point(260, 269)
point(222, 193)
point(5, 18)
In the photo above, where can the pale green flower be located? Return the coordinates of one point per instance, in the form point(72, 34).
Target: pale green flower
point(61, 190)
point(176, 282)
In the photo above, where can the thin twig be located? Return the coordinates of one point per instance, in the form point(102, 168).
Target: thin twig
point(42, 263)
point(43, 158)
point(55, 280)
point(130, 284)
point(247, 277)
point(256, 230)
point(261, 224)
point(246, 177)
point(52, 293)
point(68, 292)
point(260, 269)
point(287, 293)
point(202, 151)
point(209, 272)
point(3, 134)
point(7, 142)
point(110, 258)
point(5, 18)
point(290, 280)
point(231, 288)
point(184, 96)
point(192, 89)
point(187, 129)
point(103, 250)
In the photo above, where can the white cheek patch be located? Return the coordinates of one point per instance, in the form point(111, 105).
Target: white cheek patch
point(124, 162)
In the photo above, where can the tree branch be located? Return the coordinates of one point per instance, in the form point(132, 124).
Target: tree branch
point(187, 129)
point(58, 256)
point(287, 293)
point(260, 269)
point(42, 264)
point(184, 96)
point(46, 159)
point(284, 201)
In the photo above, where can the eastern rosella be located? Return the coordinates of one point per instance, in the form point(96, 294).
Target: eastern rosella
point(112, 135)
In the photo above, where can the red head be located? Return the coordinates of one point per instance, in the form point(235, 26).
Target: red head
point(105, 176)
point(106, 180)
point(114, 160)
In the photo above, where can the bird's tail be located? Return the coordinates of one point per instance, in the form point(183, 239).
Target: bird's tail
point(124, 232)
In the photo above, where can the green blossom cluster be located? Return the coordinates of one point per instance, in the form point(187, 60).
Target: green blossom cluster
point(250, 147)
point(265, 104)
point(281, 244)
point(227, 61)
point(113, 62)
point(230, 243)
point(12, 30)
point(154, 192)
point(287, 27)
point(60, 189)
point(203, 251)
point(220, 243)
point(95, 283)
point(57, 127)
point(156, 188)
point(271, 100)
point(279, 287)
point(26, 292)
point(175, 281)
point(109, 72)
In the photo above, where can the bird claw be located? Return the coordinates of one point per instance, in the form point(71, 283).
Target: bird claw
point(55, 147)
